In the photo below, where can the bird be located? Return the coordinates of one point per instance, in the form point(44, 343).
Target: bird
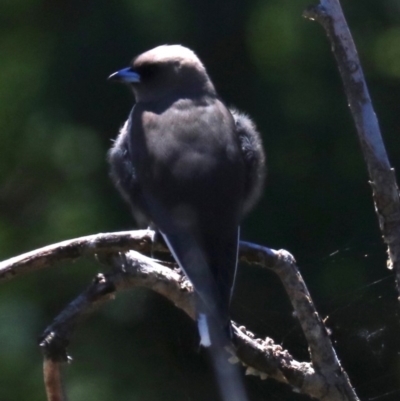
point(193, 168)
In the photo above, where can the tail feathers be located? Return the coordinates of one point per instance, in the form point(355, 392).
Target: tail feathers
point(215, 337)
point(204, 331)
point(229, 377)
point(213, 332)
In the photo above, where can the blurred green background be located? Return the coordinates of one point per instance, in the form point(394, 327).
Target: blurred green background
point(58, 116)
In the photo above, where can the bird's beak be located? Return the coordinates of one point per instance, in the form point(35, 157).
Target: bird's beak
point(126, 75)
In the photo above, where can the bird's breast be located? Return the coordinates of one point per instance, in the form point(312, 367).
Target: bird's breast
point(188, 154)
point(186, 140)
point(188, 163)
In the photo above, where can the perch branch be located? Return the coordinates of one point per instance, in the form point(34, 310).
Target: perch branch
point(323, 379)
point(261, 357)
point(70, 250)
point(382, 177)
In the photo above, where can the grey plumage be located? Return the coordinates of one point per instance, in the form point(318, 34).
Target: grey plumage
point(253, 156)
point(192, 167)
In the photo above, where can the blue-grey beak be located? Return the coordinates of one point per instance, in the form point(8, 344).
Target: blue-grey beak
point(126, 75)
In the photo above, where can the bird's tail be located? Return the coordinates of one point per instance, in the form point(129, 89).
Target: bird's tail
point(212, 314)
point(213, 330)
point(216, 339)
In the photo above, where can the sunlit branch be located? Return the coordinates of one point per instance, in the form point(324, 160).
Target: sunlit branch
point(131, 269)
point(382, 177)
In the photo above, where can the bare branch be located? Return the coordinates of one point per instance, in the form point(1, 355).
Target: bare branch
point(140, 240)
point(53, 380)
point(261, 357)
point(323, 356)
point(323, 379)
point(382, 177)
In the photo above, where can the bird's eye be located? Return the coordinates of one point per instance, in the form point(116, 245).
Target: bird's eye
point(146, 72)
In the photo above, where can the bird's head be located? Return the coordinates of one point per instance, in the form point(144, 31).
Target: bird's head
point(165, 71)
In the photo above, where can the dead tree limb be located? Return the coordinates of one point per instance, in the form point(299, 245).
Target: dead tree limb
point(323, 378)
point(385, 191)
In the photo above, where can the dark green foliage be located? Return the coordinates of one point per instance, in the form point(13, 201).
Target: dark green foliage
point(58, 116)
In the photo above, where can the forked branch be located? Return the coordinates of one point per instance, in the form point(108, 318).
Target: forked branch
point(322, 378)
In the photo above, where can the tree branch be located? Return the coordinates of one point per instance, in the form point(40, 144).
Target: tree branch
point(323, 379)
point(382, 177)
point(70, 250)
point(53, 380)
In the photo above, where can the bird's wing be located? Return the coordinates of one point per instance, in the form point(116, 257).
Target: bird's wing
point(253, 156)
point(212, 292)
point(192, 259)
point(124, 176)
point(191, 175)
point(209, 261)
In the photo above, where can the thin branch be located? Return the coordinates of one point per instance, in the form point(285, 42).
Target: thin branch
point(53, 380)
point(70, 250)
point(323, 356)
point(382, 177)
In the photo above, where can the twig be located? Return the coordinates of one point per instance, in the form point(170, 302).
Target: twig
point(323, 356)
point(382, 177)
point(53, 380)
point(140, 240)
